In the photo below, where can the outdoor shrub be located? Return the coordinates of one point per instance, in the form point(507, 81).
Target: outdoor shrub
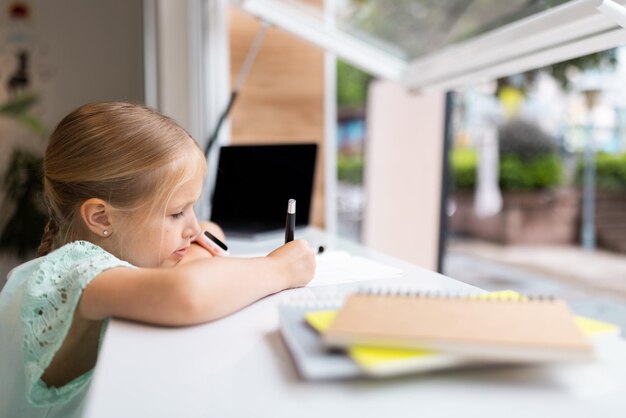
point(528, 159)
point(610, 172)
point(538, 173)
point(350, 168)
point(352, 85)
point(463, 162)
point(516, 173)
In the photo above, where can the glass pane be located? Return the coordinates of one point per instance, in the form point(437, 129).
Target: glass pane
point(412, 28)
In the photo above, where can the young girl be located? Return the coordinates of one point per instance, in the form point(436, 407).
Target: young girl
point(123, 240)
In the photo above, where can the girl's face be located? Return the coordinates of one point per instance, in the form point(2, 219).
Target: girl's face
point(162, 240)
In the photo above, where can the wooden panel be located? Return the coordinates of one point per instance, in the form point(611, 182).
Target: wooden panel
point(282, 100)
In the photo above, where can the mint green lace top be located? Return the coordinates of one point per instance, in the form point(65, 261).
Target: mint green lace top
point(37, 305)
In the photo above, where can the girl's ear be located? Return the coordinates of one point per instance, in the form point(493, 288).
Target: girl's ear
point(96, 216)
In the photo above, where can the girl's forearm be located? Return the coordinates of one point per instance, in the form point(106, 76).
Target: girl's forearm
point(191, 293)
point(226, 284)
point(197, 291)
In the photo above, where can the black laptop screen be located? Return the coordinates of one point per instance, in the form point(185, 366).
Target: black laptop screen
point(254, 183)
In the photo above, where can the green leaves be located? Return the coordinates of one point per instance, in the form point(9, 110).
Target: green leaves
point(352, 85)
point(19, 105)
point(23, 213)
point(516, 172)
point(19, 109)
point(463, 163)
point(610, 172)
point(350, 168)
point(541, 172)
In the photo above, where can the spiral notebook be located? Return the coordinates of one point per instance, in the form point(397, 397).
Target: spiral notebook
point(501, 330)
point(304, 321)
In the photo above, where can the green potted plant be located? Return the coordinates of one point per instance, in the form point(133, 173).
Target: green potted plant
point(23, 211)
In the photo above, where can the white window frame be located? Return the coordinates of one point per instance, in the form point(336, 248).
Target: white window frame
point(573, 29)
point(317, 28)
point(564, 32)
point(576, 28)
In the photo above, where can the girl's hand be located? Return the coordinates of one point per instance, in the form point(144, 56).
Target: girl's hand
point(297, 261)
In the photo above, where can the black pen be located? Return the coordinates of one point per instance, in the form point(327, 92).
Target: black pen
point(219, 246)
point(290, 222)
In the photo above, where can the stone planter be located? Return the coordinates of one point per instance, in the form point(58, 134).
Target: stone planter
point(542, 217)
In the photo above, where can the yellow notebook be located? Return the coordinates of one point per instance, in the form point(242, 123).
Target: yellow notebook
point(382, 362)
point(509, 329)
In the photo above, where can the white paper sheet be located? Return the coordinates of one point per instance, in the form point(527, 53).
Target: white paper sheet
point(334, 267)
point(341, 267)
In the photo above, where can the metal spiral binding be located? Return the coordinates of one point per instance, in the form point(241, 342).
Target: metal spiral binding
point(439, 294)
point(327, 301)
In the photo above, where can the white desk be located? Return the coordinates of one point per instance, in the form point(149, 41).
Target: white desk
point(240, 367)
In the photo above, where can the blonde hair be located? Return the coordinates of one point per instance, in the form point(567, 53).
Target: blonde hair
point(125, 154)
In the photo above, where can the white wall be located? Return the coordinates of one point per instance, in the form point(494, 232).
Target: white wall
point(81, 51)
point(403, 167)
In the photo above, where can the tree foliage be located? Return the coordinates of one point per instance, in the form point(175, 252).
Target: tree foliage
point(352, 85)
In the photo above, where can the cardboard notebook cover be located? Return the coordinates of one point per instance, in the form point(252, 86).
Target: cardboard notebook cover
point(507, 330)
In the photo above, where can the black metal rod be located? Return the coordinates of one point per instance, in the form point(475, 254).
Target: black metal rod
point(446, 178)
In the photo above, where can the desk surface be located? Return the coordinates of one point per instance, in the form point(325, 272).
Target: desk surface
point(239, 366)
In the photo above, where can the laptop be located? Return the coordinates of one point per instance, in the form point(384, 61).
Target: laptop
point(255, 182)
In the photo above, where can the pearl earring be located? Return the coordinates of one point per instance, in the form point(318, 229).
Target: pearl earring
point(105, 232)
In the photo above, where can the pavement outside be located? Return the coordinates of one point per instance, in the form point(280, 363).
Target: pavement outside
point(592, 282)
